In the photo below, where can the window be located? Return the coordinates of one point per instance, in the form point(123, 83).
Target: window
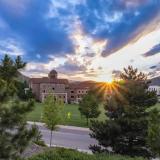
point(44, 91)
point(72, 91)
point(53, 88)
point(72, 96)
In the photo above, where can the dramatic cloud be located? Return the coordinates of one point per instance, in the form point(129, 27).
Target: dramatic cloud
point(89, 38)
point(120, 22)
point(153, 67)
point(153, 51)
point(116, 74)
point(37, 33)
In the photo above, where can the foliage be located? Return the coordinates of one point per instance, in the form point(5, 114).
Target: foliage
point(38, 136)
point(68, 154)
point(125, 130)
point(52, 114)
point(22, 93)
point(14, 135)
point(154, 131)
point(9, 68)
point(89, 106)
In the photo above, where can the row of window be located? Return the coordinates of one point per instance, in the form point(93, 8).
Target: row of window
point(80, 92)
point(78, 96)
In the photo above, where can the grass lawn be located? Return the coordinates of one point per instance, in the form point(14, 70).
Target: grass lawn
point(74, 120)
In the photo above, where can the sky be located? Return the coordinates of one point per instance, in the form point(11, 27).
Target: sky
point(82, 39)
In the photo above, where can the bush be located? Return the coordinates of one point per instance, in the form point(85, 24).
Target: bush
point(68, 154)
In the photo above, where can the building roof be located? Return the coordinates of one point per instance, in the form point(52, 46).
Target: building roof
point(53, 72)
point(48, 80)
point(82, 85)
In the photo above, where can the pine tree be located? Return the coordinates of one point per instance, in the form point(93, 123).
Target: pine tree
point(154, 132)
point(14, 135)
point(126, 125)
point(89, 106)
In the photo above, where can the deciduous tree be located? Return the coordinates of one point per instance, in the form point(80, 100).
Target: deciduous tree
point(52, 113)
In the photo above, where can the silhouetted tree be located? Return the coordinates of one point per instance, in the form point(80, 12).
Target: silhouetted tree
point(126, 126)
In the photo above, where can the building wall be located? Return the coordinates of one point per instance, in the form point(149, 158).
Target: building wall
point(69, 93)
point(36, 90)
point(155, 88)
point(61, 96)
point(59, 90)
point(75, 95)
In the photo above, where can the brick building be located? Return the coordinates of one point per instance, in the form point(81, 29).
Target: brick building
point(61, 88)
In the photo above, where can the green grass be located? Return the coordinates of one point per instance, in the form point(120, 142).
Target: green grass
point(68, 154)
point(75, 119)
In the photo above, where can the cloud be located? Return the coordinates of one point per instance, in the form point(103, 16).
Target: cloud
point(154, 50)
point(11, 47)
point(116, 74)
point(75, 36)
point(69, 68)
point(99, 20)
point(153, 67)
point(38, 34)
point(45, 27)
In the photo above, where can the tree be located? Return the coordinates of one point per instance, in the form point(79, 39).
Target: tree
point(23, 91)
point(9, 68)
point(52, 113)
point(89, 106)
point(14, 135)
point(154, 132)
point(126, 125)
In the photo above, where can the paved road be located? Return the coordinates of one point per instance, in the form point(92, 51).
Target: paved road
point(69, 137)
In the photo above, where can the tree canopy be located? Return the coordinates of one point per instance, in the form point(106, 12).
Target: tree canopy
point(14, 135)
point(126, 125)
point(52, 113)
point(89, 106)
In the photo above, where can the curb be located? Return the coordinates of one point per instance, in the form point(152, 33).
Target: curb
point(60, 126)
point(80, 150)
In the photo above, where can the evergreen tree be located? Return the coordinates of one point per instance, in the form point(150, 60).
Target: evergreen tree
point(9, 68)
point(14, 135)
point(126, 125)
point(52, 113)
point(89, 106)
point(154, 132)
point(23, 91)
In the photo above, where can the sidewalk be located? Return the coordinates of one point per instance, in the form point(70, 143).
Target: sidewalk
point(60, 126)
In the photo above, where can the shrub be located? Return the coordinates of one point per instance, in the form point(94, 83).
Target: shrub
point(68, 154)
